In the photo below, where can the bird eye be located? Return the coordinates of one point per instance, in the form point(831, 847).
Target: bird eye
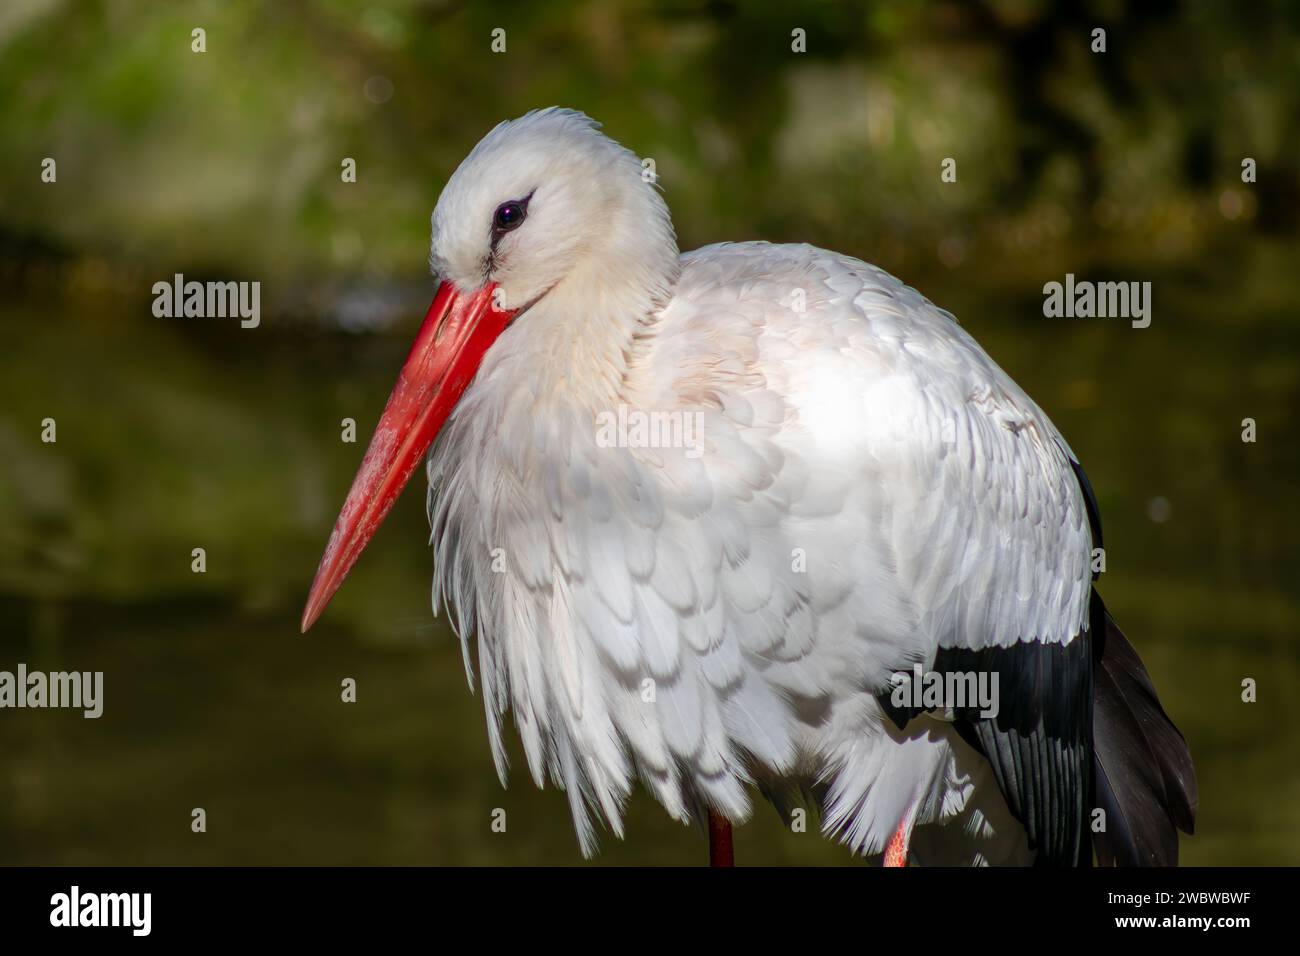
point(508, 216)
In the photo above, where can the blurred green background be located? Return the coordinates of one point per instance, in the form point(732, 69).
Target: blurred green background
point(182, 433)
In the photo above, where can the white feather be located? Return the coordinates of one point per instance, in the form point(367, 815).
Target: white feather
point(868, 487)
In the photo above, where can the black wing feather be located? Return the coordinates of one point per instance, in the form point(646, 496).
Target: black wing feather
point(1145, 779)
point(1080, 727)
point(1039, 743)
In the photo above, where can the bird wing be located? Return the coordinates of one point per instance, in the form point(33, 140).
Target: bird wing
point(877, 409)
point(884, 495)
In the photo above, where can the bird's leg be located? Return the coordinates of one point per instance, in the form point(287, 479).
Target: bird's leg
point(720, 849)
point(896, 848)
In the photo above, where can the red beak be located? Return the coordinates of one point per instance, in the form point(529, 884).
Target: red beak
point(448, 350)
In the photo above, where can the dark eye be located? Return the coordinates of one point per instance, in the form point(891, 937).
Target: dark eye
point(509, 215)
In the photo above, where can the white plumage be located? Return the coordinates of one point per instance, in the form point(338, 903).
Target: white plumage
point(872, 486)
point(862, 488)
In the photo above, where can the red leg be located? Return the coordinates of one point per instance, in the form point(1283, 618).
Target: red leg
point(896, 849)
point(720, 849)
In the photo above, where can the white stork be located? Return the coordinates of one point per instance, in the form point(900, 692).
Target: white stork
point(855, 489)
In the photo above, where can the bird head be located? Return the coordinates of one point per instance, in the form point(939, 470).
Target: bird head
point(538, 199)
point(544, 205)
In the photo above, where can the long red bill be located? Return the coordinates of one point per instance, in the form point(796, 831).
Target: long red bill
point(456, 334)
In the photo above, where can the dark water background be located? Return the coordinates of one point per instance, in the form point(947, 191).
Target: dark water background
point(177, 434)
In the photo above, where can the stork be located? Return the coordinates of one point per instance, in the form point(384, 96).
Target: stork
point(865, 492)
